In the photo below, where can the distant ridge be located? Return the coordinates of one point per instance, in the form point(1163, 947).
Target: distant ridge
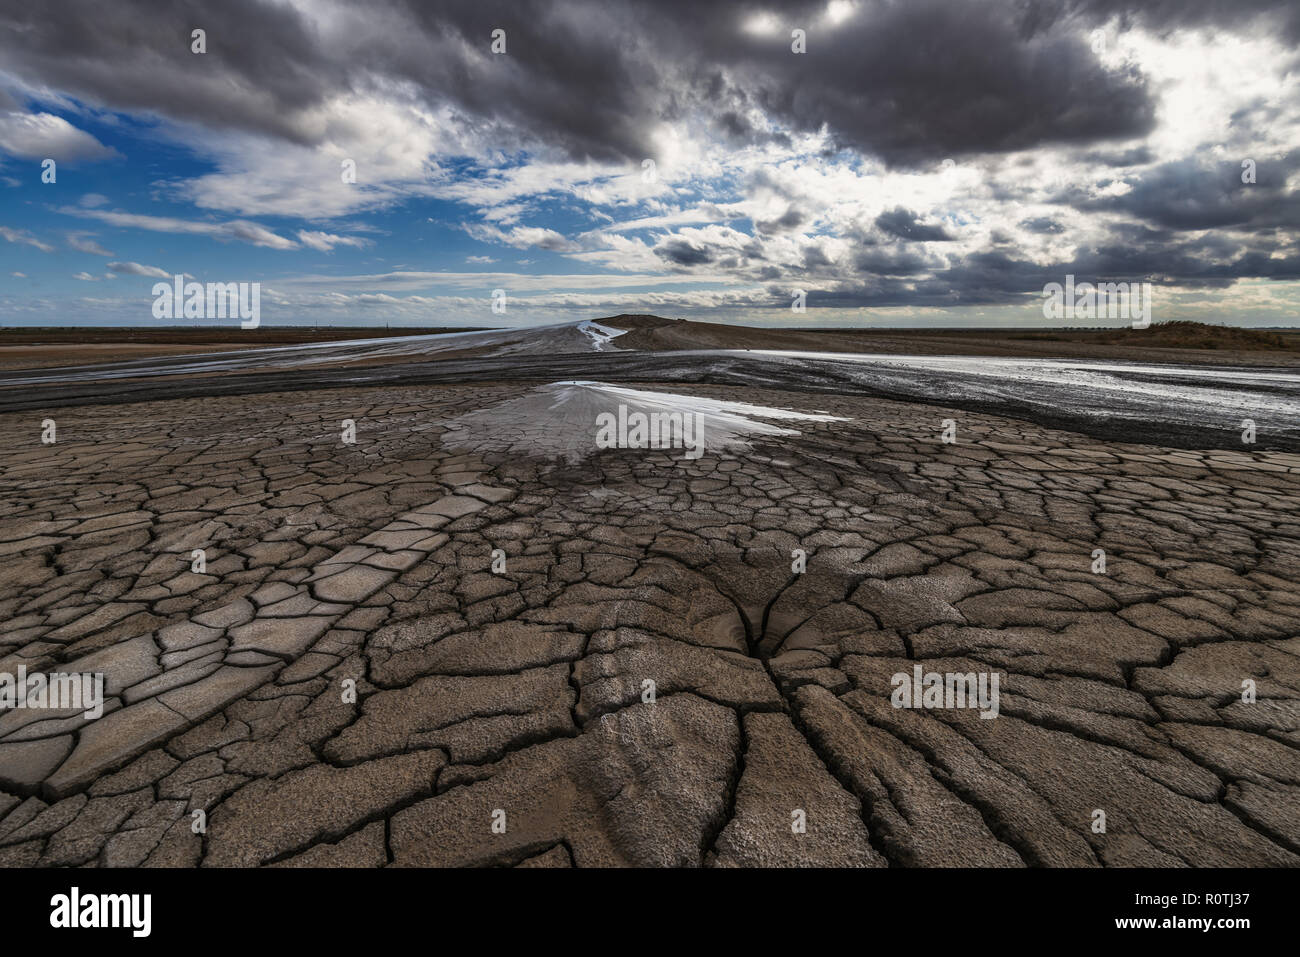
point(1182, 334)
point(638, 320)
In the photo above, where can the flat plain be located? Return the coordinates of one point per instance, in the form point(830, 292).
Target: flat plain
point(432, 646)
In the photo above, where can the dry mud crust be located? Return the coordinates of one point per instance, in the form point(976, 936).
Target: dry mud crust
point(369, 566)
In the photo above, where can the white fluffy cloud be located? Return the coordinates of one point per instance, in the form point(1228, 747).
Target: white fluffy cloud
point(43, 135)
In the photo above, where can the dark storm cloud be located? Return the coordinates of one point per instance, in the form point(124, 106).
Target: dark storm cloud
point(682, 253)
point(911, 82)
point(792, 219)
point(905, 224)
point(263, 61)
point(814, 259)
point(1192, 194)
point(1230, 15)
point(994, 277)
point(889, 262)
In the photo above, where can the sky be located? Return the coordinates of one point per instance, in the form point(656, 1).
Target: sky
point(899, 162)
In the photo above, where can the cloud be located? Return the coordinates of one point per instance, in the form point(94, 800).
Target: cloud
point(135, 269)
point(684, 253)
point(929, 153)
point(84, 243)
point(1042, 224)
point(1197, 193)
point(655, 62)
point(24, 237)
point(789, 220)
point(410, 281)
point(904, 224)
point(87, 277)
point(324, 242)
point(44, 135)
point(241, 230)
point(1225, 15)
point(522, 237)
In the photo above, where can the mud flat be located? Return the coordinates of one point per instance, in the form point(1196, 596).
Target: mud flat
point(1173, 405)
point(390, 641)
point(24, 347)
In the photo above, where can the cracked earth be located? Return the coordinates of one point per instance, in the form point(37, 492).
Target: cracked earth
point(349, 682)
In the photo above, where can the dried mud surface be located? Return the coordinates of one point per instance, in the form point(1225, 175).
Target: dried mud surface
point(522, 691)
